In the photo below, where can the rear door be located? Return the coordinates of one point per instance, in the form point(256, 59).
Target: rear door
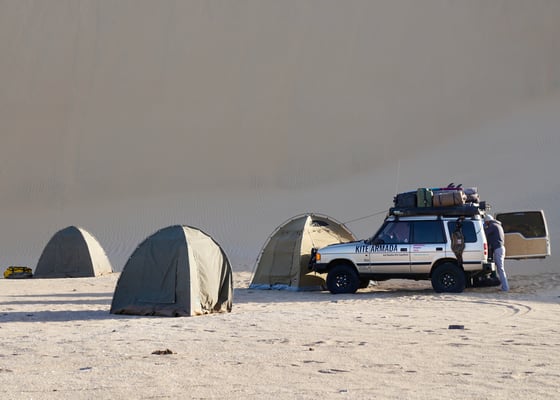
point(473, 254)
point(428, 244)
point(526, 234)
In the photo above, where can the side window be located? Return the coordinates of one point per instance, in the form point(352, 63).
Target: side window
point(394, 232)
point(469, 232)
point(428, 232)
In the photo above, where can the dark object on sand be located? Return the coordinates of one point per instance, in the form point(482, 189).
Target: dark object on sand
point(486, 281)
point(162, 352)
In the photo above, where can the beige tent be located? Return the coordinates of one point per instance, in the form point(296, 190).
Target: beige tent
point(177, 271)
point(284, 259)
point(72, 253)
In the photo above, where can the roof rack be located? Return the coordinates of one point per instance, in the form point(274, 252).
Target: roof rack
point(466, 210)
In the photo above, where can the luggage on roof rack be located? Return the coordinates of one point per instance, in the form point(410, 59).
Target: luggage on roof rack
point(425, 197)
point(405, 199)
point(451, 200)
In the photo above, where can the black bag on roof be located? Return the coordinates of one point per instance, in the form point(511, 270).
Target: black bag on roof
point(405, 200)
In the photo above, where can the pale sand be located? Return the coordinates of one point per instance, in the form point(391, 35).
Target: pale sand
point(390, 341)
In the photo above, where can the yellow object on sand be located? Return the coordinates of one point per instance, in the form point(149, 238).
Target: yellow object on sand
point(18, 272)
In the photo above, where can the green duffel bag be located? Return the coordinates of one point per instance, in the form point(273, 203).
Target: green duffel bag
point(424, 197)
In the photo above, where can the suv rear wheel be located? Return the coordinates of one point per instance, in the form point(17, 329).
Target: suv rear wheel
point(448, 277)
point(342, 278)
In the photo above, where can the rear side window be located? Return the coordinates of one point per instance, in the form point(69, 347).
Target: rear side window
point(424, 232)
point(469, 232)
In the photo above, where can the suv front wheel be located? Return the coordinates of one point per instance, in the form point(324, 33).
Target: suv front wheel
point(342, 278)
point(448, 277)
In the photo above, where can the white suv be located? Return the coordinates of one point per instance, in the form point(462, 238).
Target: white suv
point(412, 247)
point(417, 244)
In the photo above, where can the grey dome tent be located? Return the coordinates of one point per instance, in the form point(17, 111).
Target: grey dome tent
point(177, 271)
point(284, 258)
point(72, 253)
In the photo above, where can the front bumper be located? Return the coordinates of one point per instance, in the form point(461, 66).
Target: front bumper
point(314, 265)
point(319, 267)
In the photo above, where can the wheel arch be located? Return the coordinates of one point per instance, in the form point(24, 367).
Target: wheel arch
point(339, 261)
point(443, 261)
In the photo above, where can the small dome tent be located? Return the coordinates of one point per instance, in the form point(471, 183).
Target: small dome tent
point(177, 271)
point(72, 253)
point(283, 261)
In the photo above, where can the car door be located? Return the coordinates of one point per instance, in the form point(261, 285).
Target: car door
point(390, 249)
point(428, 244)
point(526, 234)
point(473, 252)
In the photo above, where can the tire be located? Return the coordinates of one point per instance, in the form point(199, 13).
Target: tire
point(448, 278)
point(342, 278)
point(364, 283)
point(469, 281)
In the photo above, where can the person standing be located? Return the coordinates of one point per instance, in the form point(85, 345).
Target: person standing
point(495, 236)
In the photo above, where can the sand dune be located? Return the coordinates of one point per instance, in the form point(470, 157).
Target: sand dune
point(124, 117)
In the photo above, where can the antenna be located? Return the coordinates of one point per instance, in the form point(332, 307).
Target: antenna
point(398, 175)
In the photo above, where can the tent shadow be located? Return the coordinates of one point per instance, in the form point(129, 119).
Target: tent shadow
point(248, 295)
point(75, 294)
point(57, 316)
point(99, 302)
point(67, 298)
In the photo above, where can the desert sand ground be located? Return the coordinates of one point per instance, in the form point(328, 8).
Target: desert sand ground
point(393, 340)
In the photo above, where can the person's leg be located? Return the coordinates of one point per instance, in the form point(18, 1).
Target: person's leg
point(499, 258)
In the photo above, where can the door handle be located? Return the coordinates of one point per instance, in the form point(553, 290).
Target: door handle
point(439, 248)
point(404, 249)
